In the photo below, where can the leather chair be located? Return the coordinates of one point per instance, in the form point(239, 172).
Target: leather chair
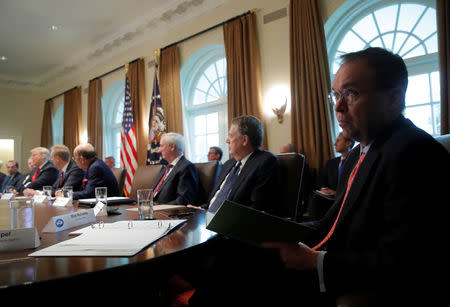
point(292, 168)
point(144, 178)
point(120, 174)
point(207, 173)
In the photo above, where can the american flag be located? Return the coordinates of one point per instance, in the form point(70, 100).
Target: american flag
point(128, 154)
point(157, 124)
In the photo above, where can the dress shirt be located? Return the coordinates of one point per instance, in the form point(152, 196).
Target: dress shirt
point(365, 150)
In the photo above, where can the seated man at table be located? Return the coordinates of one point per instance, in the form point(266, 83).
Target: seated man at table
point(70, 175)
point(177, 183)
point(44, 173)
point(14, 178)
point(97, 173)
point(252, 176)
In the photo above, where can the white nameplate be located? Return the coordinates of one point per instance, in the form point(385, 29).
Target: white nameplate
point(39, 198)
point(62, 202)
point(7, 196)
point(18, 239)
point(100, 209)
point(66, 221)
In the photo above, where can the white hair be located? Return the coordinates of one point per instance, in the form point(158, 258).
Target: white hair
point(175, 139)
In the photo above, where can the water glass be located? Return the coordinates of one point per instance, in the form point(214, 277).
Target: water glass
point(101, 194)
point(145, 204)
point(21, 212)
point(47, 189)
point(68, 192)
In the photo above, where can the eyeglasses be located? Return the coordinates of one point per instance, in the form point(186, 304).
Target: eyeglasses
point(348, 95)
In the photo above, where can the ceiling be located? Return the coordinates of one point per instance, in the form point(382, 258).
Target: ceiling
point(89, 32)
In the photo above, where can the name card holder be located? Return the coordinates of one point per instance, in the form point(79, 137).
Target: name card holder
point(7, 196)
point(62, 202)
point(100, 209)
point(70, 220)
point(39, 198)
point(18, 239)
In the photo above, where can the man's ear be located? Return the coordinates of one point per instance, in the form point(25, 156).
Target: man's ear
point(397, 98)
point(245, 140)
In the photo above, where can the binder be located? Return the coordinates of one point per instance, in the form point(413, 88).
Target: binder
point(254, 227)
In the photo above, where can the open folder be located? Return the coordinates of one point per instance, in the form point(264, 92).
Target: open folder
point(255, 227)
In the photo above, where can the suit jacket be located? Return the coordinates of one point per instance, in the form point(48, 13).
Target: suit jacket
point(392, 218)
point(181, 185)
point(16, 181)
point(46, 176)
point(98, 174)
point(330, 174)
point(73, 177)
point(258, 183)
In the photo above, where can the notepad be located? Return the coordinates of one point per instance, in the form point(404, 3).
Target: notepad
point(255, 227)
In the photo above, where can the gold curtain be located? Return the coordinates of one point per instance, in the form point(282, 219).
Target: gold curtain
point(310, 84)
point(95, 116)
point(136, 77)
point(243, 68)
point(72, 117)
point(170, 88)
point(443, 15)
point(47, 129)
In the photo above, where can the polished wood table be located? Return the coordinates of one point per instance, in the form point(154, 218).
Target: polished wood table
point(17, 269)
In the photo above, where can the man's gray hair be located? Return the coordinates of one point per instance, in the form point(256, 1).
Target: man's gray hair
point(175, 139)
point(43, 151)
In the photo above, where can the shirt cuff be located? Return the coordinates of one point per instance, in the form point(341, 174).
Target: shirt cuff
point(320, 271)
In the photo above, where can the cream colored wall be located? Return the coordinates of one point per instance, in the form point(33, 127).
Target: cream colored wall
point(21, 111)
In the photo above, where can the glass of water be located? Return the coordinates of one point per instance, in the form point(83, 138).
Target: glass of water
point(101, 194)
point(145, 204)
point(47, 189)
point(21, 212)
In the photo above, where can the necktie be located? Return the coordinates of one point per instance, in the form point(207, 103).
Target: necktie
point(35, 175)
point(341, 163)
point(226, 188)
point(162, 179)
point(61, 177)
point(349, 184)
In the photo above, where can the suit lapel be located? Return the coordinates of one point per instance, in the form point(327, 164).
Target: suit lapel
point(361, 177)
point(172, 173)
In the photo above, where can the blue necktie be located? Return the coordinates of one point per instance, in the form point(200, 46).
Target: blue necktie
point(340, 168)
point(223, 193)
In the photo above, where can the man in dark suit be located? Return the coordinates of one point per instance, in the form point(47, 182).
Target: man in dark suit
point(44, 172)
point(375, 239)
point(70, 175)
point(14, 178)
point(97, 173)
point(257, 178)
point(177, 183)
point(322, 201)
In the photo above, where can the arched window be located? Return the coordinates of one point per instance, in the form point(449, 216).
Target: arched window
point(204, 92)
point(112, 105)
point(407, 28)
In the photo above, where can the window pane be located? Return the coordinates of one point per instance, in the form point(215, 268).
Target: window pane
point(119, 113)
point(426, 25)
point(409, 13)
point(437, 118)
point(432, 44)
point(418, 90)
point(200, 145)
point(350, 43)
point(421, 117)
point(203, 84)
point(410, 43)
point(435, 86)
point(388, 40)
point(419, 50)
point(386, 18)
point(212, 120)
point(200, 125)
point(399, 39)
point(213, 140)
point(199, 97)
point(366, 28)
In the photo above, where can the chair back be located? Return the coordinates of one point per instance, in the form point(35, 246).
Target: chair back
point(120, 174)
point(144, 178)
point(292, 167)
point(207, 172)
point(444, 140)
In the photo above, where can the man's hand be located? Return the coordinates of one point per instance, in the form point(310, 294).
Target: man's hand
point(295, 256)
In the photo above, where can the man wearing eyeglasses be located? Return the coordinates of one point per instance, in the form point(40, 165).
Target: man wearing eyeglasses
point(376, 239)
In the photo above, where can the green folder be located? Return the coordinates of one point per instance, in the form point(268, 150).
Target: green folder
point(255, 227)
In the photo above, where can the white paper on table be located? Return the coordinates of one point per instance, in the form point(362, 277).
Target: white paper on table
point(117, 240)
point(135, 224)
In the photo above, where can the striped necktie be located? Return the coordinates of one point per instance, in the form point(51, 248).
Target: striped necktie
point(162, 179)
point(226, 188)
point(349, 184)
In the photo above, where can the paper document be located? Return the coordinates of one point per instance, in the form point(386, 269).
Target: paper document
point(123, 238)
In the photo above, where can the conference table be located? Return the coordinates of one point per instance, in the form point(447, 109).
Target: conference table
point(20, 272)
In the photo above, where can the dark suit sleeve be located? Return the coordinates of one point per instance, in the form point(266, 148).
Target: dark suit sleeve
point(48, 176)
point(94, 179)
point(74, 179)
